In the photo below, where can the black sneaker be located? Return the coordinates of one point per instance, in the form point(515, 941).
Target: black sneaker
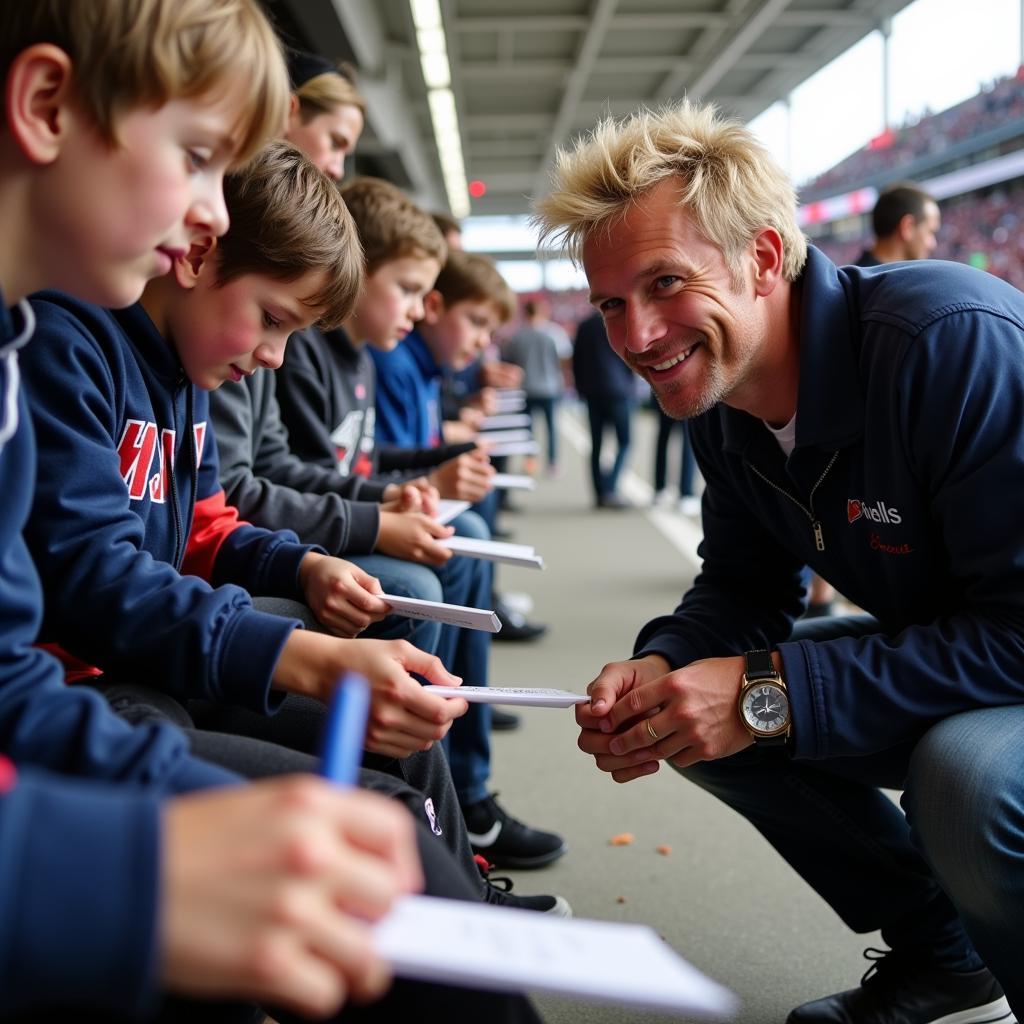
point(898, 990)
point(506, 842)
point(515, 625)
point(504, 721)
point(499, 894)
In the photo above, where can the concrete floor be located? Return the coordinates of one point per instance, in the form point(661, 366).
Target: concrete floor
point(722, 897)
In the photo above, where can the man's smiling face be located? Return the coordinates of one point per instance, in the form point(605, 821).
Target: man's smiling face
point(675, 311)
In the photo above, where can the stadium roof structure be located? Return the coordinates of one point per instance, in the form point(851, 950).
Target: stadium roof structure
point(529, 75)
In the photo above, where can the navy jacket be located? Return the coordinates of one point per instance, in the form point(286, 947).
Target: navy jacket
point(144, 569)
point(597, 371)
point(70, 851)
point(910, 457)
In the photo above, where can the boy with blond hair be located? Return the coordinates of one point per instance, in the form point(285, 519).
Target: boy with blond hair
point(326, 391)
point(119, 122)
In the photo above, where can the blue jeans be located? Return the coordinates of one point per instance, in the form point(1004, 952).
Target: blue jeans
point(604, 412)
point(545, 406)
point(466, 652)
point(404, 579)
point(947, 878)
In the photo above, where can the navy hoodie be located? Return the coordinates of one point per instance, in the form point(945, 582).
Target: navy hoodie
point(144, 568)
point(80, 851)
point(909, 457)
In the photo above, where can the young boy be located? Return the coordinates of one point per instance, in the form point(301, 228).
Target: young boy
point(326, 391)
point(107, 117)
point(129, 510)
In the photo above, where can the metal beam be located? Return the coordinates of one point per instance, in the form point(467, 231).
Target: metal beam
point(543, 23)
point(753, 25)
point(387, 106)
point(593, 39)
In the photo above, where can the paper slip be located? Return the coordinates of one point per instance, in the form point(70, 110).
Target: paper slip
point(515, 419)
point(514, 448)
point(528, 696)
point(448, 509)
point(490, 437)
point(450, 614)
point(513, 482)
point(500, 393)
point(482, 946)
point(494, 551)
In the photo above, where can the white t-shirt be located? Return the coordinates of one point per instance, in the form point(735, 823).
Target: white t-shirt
point(786, 436)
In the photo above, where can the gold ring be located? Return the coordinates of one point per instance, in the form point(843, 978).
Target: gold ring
point(650, 729)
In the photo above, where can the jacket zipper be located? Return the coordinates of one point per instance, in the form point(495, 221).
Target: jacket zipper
point(808, 509)
point(179, 547)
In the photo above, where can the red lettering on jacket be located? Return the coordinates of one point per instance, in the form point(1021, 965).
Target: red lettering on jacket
point(877, 544)
point(135, 450)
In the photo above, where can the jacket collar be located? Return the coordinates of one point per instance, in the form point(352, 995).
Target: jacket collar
point(416, 346)
point(830, 406)
point(158, 351)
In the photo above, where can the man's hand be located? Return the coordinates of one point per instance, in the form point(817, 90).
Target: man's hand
point(414, 537)
point(341, 595)
point(267, 892)
point(467, 477)
point(641, 714)
point(404, 718)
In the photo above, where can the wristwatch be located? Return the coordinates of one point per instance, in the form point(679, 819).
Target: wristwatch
point(764, 702)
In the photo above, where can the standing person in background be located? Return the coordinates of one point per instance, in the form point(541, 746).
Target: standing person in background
point(539, 347)
point(905, 220)
point(608, 387)
point(689, 503)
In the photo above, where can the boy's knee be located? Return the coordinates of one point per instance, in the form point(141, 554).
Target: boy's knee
point(470, 524)
point(415, 581)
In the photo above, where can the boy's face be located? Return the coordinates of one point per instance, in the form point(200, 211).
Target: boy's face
point(392, 300)
point(112, 217)
point(459, 333)
point(228, 332)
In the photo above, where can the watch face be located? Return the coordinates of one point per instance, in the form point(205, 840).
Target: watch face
point(765, 709)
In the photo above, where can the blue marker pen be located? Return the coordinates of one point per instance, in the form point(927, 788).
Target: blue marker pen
point(346, 730)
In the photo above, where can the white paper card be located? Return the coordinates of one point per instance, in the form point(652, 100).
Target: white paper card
point(514, 448)
point(504, 436)
point(498, 948)
point(501, 393)
point(448, 509)
point(528, 696)
point(494, 551)
point(513, 482)
point(507, 421)
point(450, 614)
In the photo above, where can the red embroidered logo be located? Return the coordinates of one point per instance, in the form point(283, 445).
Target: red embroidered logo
point(877, 512)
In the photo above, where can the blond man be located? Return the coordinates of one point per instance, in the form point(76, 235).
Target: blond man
point(861, 423)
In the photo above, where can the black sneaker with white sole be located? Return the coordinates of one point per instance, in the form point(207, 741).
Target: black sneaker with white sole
point(899, 990)
point(500, 894)
point(507, 842)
